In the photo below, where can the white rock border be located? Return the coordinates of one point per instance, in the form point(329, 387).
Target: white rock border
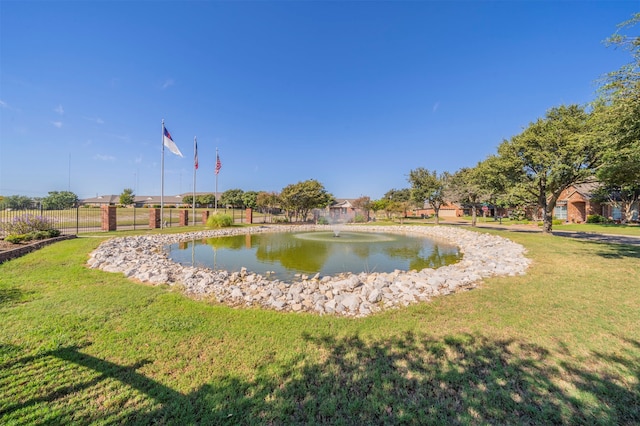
point(142, 258)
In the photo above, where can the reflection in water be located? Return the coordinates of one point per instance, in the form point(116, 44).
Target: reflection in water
point(287, 254)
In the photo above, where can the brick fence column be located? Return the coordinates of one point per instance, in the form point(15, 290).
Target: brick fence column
point(154, 218)
point(205, 217)
point(184, 217)
point(109, 221)
point(249, 215)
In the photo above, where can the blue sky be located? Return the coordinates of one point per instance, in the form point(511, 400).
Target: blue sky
point(352, 94)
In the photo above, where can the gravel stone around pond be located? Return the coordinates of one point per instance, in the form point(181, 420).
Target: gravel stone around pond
point(142, 258)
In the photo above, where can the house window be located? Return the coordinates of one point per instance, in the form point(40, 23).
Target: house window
point(560, 212)
point(616, 213)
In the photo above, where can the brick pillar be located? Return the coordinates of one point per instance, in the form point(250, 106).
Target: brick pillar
point(249, 216)
point(205, 217)
point(108, 218)
point(154, 218)
point(184, 217)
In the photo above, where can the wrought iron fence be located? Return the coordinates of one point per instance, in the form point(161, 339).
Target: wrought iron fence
point(78, 220)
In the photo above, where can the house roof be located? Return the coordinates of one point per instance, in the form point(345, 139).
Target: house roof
point(343, 203)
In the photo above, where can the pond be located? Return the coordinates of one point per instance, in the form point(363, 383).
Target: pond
point(286, 255)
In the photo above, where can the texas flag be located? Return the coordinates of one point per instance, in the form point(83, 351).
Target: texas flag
point(169, 143)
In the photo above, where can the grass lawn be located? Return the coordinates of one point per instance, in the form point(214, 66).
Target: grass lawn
point(560, 345)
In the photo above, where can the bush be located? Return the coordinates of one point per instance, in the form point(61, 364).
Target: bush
point(596, 218)
point(16, 239)
point(360, 219)
point(219, 221)
point(323, 220)
point(33, 235)
point(25, 224)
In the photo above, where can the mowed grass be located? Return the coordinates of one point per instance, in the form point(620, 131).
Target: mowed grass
point(560, 345)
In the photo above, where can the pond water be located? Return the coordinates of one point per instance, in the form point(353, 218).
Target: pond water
point(283, 255)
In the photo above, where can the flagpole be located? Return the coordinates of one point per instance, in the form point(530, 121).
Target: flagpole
point(216, 200)
point(195, 168)
point(162, 178)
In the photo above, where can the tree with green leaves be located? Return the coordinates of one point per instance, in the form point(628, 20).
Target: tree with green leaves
point(550, 155)
point(467, 186)
point(233, 198)
point(127, 197)
point(187, 199)
point(617, 117)
point(59, 200)
point(208, 200)
point(398, 202)
point(267, 202)
point(17, 202)
point(363, 203)
point(428, 187)
point(300, 198)
point(249, 199)
point(379, 205)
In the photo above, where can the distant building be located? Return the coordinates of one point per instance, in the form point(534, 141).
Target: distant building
point(138, 200)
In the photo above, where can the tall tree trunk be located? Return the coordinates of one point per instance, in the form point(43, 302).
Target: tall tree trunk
point(547, 221)
point(547, 214)
point(474, 215)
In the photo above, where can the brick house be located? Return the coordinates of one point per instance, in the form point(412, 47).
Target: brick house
point(575, 204)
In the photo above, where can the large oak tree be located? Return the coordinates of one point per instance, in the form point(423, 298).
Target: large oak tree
point(550, 155)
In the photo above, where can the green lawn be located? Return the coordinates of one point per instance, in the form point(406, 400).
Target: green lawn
point(560, 345)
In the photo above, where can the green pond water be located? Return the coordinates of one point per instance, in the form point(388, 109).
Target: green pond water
point(282, 255)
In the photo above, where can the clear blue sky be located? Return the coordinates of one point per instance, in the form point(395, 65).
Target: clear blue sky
point(353, 94)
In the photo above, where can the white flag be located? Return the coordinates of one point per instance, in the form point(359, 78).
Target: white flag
point(169, 143)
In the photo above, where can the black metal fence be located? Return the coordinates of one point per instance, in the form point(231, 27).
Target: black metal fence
point(77, 220)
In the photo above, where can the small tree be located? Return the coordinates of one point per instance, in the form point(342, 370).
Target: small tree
point(266, 202)
point(379, 205)
point(363, 203)
point(127, 197)
point(399, 201)
point(249, 199)
point(17, 202)
point(428, 187)
point(300, 198)
point(206, 200)
point(59, 200)
point(466, 186)
point(233, 198)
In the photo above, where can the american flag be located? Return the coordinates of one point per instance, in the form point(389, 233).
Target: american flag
point(218, 164)
point(195, 155)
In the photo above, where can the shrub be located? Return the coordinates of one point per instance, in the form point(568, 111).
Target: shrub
point(16, 239)
point(596, 218)
point(359, 218)
point(323, 220)
point(33, 235)
point(25, 224)
point(219, 221)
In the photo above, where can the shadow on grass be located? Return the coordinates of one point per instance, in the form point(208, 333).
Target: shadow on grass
point(411, 379)
point(9, 296)
point(613, 250)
